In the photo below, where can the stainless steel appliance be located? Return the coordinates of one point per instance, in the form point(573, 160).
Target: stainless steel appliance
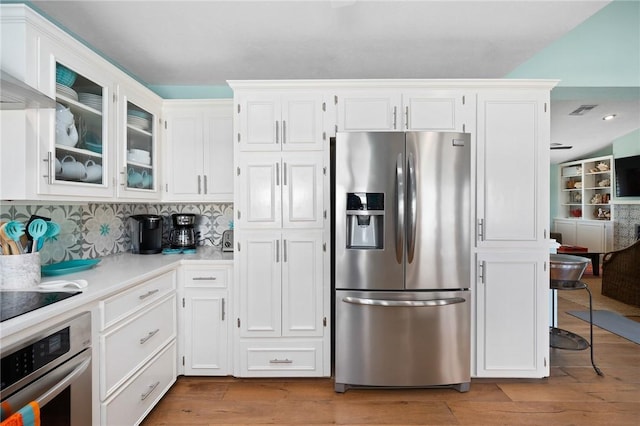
point(52, 368)
point(183, 233)
point(402, 259)
point(227, 240)
point(146, 233)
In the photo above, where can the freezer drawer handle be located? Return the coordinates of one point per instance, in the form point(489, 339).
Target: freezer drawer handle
point(403, 303)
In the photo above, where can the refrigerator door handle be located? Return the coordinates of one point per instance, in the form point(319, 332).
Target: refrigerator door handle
point(412, 207)
point(399, 208)
point(403, 303)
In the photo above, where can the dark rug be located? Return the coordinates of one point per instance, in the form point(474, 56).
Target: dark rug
point(613, 322)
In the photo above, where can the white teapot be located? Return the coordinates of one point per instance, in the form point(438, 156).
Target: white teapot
point(66, 132)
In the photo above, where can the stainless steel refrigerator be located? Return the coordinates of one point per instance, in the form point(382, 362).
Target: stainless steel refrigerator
point(401, 269)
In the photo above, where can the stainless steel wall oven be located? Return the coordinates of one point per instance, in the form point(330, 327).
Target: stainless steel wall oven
point(52, 368)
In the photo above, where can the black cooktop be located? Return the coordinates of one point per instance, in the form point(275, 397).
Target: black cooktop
point(15, 303)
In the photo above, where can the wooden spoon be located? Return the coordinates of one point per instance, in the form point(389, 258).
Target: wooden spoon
point(8, 245)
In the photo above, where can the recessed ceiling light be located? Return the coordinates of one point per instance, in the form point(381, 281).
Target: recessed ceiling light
point(609, 117)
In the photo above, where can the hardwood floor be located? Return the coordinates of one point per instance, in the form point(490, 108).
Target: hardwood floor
point(573, 394)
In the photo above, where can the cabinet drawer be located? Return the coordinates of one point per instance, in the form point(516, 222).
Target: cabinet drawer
point(134, 401)
point(128, 346)
point(206, 277)
point(117, 307)
point(281, 359)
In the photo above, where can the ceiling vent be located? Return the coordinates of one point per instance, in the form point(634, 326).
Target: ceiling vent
point(583, 109)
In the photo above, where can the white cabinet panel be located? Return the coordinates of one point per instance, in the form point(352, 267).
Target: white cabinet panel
point(206, 332)
point(280, 189)
point(302, 283)
point(204, 320)
point(280, 122)
point(281, 283)
point(260, 282)
point(199, 151)
point(290, 358)
point(130, 405)
point(568, 230)
point(436, 110)
point(368, 110)
point(591, 236)
point(512, 315)
point(139, 338)
point(513, 164)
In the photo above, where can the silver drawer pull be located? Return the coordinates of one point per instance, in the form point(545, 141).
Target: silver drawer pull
point(281, 361)
point(147, 294)
point(149, 336)
point(151, 389)
point(204, 278)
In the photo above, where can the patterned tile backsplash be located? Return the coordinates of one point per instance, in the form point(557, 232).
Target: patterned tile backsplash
point(96, 230)
point(624, 227)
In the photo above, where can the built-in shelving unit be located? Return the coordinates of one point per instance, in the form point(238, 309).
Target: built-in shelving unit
point(586, 188)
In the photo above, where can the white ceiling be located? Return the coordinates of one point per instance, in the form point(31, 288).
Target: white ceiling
point(205, 43)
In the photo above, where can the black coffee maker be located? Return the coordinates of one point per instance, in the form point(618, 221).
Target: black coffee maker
point(146, 233)
point(183, 235)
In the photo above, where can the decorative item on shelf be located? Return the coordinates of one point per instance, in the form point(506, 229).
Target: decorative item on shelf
point(606, 198)
point(596, 199)
point(577, 185)
point(601, 213)
point(575, 212)
point(570, 184)
point(577, 197)
point(603, 167)
point(594, 170)
point(604, 182)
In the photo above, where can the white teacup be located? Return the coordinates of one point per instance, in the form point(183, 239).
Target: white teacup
point(134, 179)
point(94, 171)
point(72, 169)
point(147, 180)
point(58, 167)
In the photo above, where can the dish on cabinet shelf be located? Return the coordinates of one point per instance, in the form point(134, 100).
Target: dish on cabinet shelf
point(66, 91)
point(91, 100)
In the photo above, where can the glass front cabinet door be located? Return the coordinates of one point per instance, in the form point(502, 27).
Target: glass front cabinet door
point(138, 120)
point(74, 138)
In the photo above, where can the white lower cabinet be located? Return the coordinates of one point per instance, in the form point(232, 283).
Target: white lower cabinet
point(137, 347)
point(269, 358)
point(512, 322)
point(205, 321)
point(281, 316)
point(130, 405)
point(595, 235)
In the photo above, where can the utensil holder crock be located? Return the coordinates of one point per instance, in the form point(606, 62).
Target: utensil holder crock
point(20, 271)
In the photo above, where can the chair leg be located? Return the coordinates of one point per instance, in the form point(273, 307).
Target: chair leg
point(598, 371)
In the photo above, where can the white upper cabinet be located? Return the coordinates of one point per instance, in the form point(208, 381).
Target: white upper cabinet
point(280, 190)
point(437, 110)
point(76, 151)
point(388, 110)
point(199, 151)
point(138, 153)
point(280, 122)
point(512, 168)
point(368, 110)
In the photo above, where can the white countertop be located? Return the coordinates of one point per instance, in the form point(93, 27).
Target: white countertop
point(112, 275)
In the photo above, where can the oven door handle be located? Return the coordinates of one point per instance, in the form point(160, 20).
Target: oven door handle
point(56, 389)
point(403, 303)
